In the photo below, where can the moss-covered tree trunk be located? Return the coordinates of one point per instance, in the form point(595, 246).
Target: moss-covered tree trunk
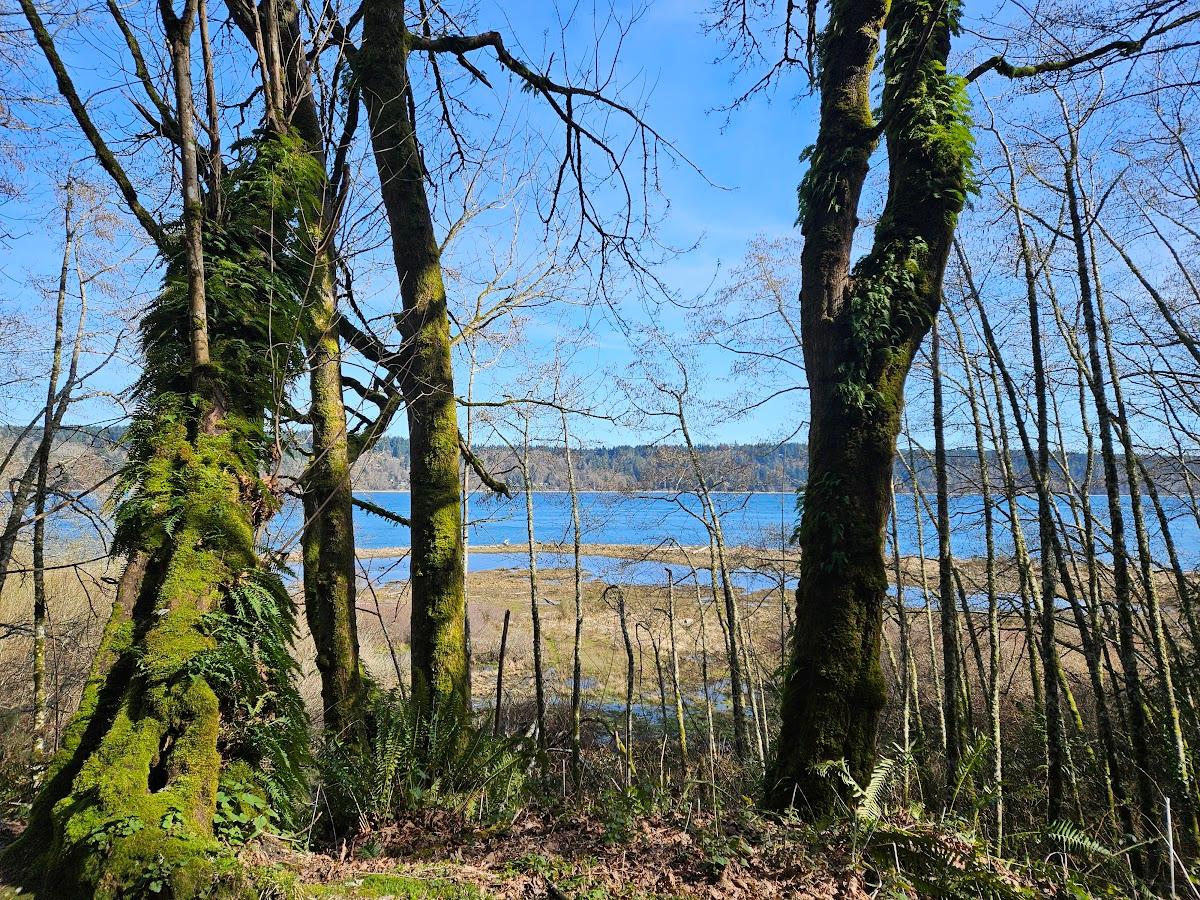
point(193, 672)
point(439, 655)
point(129, 801)
point(860, 331)
point(328, 538)
point(128, 805)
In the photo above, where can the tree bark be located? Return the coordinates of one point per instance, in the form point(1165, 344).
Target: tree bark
point(956, 727)
point(860, 332)
point(439, 656)
point(40, 609)
point(327, 539)
point(128, 804)
point(577, 643)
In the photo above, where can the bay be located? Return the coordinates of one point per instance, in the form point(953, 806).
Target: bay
point(761, 520)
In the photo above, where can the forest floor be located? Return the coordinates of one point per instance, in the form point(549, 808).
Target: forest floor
point(582, 856)
point(560, 854)
point(606, 845)
point(564, 857)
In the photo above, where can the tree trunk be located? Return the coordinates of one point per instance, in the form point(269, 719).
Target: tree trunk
point(40, 610)
point(140, 760)
point(327, 539)
point(1122, 583)
point(860, 332)
point(738, 684)
point(677, 696)
point(909, 460)
point(1053, 555)
point(439, 653)
point(624, 623)
point(1153, 612)
point(577, 644)
point(127, 808)
point(535, 612)
point(951, 649)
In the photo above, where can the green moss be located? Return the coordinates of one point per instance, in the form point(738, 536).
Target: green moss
point(129, 805)
point(137, 820)
point(32, 848)
point(400, 887)
point(439, 643)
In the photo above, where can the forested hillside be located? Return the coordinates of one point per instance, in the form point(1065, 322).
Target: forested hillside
point(87, 456)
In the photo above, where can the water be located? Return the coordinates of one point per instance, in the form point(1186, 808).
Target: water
point(748, 519)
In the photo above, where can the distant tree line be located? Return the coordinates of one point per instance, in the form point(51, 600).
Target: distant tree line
point(763, 466)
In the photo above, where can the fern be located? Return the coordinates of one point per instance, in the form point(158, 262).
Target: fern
point(419, 760)
point(939, 863)
point(869, 798)
point(1072, 837)
point(871, 801)
point(968, 765)
point(252, 668)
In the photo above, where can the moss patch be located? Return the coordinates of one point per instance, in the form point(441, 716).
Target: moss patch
point(400, 887)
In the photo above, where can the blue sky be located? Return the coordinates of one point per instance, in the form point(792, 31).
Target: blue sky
point(669, 66)
point(675, 72)
point(750, 164)
point(749, 159)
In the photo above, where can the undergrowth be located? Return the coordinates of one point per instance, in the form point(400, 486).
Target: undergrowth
point(422, 758)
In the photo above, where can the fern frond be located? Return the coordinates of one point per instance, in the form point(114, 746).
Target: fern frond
point(1072, 837)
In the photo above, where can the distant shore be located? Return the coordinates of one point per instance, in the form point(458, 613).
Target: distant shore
point(617, 491)
point(738, 557)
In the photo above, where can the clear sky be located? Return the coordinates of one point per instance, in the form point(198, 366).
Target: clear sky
point(749, 159)
point(672, 68)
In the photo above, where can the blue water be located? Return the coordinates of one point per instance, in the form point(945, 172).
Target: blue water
point(762, 520)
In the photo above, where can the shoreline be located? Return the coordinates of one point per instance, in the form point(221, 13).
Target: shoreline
point(763, 559)
point(633, 493)
point(739, 557)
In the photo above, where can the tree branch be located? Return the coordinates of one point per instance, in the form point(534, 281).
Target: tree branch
point(108, 161)
point(375, 510)
point(1121, 49)
point(495, 484)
